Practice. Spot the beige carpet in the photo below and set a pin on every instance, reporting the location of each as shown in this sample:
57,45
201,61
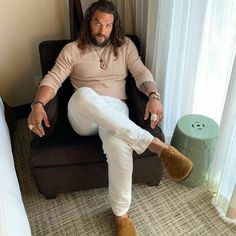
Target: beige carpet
169,209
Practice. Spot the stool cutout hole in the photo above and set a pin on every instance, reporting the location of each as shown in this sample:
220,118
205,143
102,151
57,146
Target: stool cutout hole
199,126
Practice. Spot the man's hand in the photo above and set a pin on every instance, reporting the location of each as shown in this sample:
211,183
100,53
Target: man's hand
35,119
153,107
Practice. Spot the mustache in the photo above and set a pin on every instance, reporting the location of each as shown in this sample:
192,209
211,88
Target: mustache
99,34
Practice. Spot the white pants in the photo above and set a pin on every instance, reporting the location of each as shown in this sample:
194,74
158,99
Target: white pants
90,113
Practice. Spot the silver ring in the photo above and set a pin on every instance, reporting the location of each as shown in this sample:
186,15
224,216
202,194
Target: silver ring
31,127
40,126
154,117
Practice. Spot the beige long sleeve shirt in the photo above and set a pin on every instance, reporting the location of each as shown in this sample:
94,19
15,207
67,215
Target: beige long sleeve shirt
84,69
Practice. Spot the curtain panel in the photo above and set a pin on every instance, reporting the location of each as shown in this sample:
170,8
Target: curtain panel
191,51
222,177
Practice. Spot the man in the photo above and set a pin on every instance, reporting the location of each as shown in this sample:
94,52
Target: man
97,64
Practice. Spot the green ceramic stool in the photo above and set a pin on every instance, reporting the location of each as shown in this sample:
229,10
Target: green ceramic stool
195,136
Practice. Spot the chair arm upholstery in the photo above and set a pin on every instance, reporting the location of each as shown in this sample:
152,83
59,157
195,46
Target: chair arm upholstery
49,51
51,109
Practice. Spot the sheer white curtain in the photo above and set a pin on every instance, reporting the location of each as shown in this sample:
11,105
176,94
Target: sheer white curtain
222,176
177,47
192,60
216,59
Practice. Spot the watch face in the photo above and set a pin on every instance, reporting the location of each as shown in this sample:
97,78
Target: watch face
155,96
155,93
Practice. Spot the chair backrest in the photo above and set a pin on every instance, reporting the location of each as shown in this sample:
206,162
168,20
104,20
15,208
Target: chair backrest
48,52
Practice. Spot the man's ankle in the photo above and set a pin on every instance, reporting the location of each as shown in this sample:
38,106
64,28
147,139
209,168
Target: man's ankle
123,216
157,146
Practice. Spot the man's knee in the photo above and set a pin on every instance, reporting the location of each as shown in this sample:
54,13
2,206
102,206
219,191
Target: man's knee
83,91
83,94
80,97
116,147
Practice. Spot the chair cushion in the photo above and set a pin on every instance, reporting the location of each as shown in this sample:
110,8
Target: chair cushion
65,147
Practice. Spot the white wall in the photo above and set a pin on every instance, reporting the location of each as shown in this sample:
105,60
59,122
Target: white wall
23,25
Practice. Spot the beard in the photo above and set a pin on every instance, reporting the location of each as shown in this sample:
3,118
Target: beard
96,43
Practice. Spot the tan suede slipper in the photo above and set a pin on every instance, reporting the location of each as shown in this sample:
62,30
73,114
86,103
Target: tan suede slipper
178,166
125,227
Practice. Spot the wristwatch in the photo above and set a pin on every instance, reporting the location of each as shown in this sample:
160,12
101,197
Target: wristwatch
36,102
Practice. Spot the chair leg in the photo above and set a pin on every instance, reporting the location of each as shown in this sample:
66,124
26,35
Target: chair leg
153,183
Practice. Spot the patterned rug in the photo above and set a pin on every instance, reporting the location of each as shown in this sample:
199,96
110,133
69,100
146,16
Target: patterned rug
169,209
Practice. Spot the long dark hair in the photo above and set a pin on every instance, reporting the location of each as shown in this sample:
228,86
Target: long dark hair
117,35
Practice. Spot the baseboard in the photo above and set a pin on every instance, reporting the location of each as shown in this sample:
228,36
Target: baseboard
22,111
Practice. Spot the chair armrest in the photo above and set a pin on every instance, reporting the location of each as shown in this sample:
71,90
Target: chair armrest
137,102
51,109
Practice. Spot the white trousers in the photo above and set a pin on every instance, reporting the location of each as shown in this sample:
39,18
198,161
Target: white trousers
90,113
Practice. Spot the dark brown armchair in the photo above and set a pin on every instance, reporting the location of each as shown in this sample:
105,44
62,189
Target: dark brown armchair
63,161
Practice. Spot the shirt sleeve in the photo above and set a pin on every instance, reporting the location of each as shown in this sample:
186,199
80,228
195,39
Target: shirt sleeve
136,67
61,70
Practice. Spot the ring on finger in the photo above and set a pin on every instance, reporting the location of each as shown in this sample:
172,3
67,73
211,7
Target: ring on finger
31,127
39,125
154,117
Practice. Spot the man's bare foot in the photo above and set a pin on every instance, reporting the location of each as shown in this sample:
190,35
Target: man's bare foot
157,146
